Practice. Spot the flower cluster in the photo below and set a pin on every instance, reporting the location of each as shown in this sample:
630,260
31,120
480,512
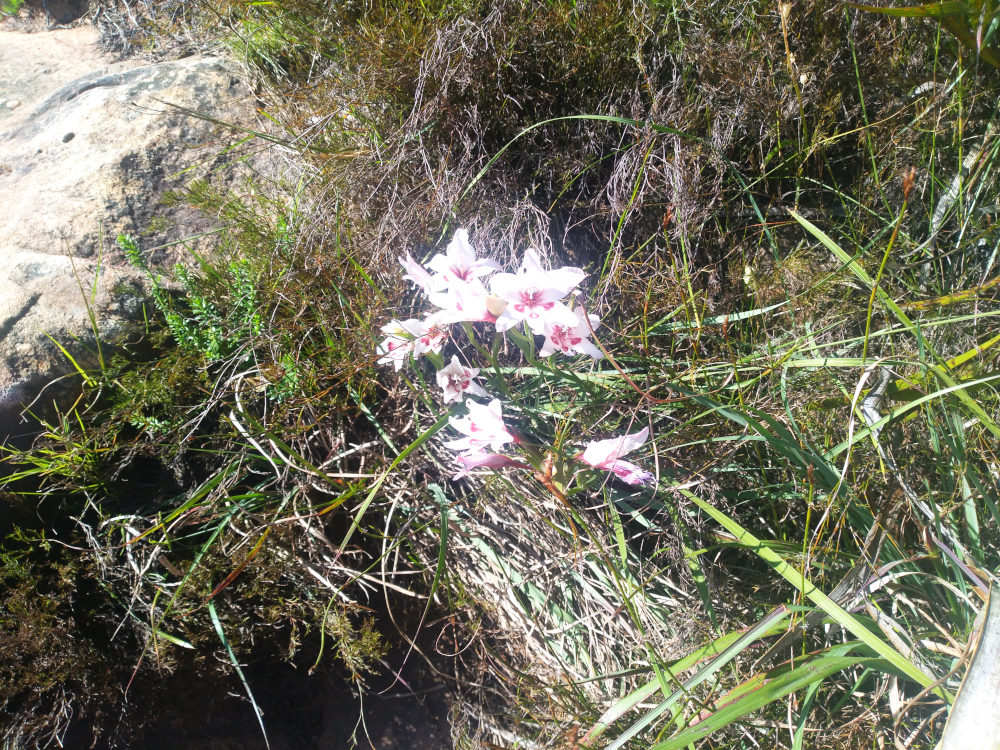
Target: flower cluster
456,283
467,289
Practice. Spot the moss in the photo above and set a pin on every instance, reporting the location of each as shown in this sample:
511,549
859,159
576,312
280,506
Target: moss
57,662
358,644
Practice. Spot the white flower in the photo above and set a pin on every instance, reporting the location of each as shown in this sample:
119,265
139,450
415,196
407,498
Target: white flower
431,337
420,276
570,339
407,337
398,344
459,263
456,380
605,454
483,428
533,294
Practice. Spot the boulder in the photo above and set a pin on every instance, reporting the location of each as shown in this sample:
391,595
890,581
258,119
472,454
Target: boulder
85,156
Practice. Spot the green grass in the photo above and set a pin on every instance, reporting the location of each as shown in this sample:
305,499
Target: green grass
11,7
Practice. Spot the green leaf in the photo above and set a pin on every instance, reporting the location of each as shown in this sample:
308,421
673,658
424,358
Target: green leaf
761,690
173,639
360,512
236,665
724,650
927,10
837,613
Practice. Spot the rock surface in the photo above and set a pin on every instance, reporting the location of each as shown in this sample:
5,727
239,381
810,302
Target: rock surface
88,147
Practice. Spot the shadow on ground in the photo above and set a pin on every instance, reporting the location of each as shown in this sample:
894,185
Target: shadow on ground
300,712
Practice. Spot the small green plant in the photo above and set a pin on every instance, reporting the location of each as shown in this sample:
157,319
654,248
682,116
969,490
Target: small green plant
356,641
10,7
203,328
290,382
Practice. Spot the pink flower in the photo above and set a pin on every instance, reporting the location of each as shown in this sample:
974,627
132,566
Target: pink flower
570,339
456,380
483,427
606,455
407,337
533,294
466,302
459,262
471,461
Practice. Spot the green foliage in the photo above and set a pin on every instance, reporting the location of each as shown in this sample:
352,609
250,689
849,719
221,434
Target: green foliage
154,398
50,668
283,40
358,643
66,455
290,383
973,24
197,323
10,7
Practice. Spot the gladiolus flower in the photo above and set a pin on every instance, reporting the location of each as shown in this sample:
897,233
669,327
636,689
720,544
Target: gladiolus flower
407,337
483,428
569,339
459,263
533,295
398,344
456,380
606,455
431,339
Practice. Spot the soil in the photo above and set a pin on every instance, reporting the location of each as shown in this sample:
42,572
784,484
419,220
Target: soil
201,705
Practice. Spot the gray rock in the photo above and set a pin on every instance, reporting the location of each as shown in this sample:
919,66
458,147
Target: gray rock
84,158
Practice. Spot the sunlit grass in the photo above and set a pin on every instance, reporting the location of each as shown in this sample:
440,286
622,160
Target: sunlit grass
810,338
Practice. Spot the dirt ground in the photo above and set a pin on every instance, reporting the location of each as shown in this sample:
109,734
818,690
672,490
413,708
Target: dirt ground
300,713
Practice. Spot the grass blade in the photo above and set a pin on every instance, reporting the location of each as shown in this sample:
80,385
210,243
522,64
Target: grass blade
360,512
883,296
762,690
820,599
236,665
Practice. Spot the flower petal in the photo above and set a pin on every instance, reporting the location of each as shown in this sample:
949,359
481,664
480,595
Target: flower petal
490,460
630,473
601,453
462,302
420,276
